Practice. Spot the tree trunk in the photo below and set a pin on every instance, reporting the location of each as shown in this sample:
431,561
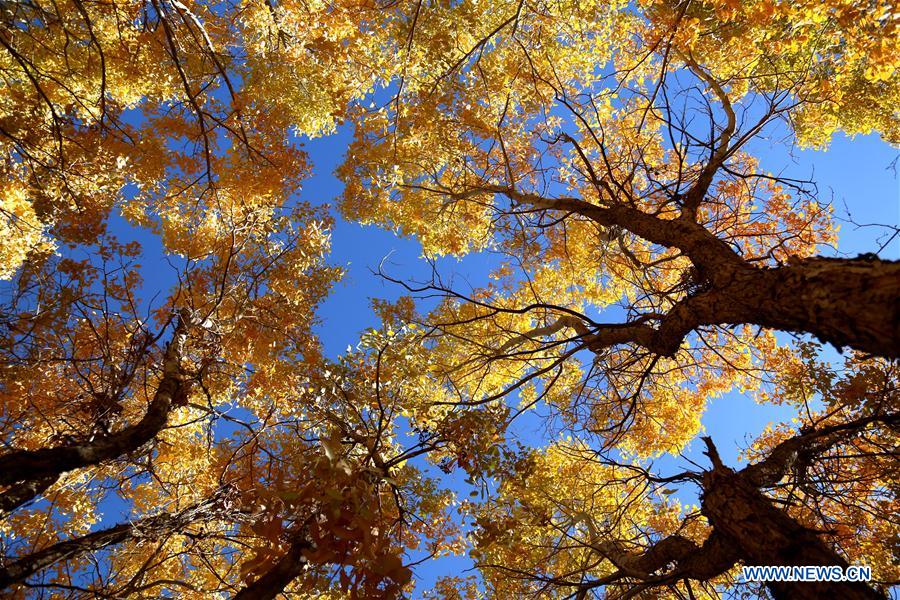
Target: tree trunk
20,493
764,535
33,465
847,302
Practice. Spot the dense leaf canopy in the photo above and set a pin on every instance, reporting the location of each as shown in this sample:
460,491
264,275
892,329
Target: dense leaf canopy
604,153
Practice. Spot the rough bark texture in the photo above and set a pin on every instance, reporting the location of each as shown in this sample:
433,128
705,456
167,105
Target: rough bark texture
700,563
765,535
761,534
848,302
851,303
747,528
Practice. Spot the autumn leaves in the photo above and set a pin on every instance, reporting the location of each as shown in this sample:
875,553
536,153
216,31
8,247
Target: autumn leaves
601,150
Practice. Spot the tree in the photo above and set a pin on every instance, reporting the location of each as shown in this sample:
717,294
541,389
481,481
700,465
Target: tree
619,172
604,148
604,152
306,465
148,528
515,147
571,521
173,115
29,472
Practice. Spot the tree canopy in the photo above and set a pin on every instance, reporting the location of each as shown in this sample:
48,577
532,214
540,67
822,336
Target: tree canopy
645,260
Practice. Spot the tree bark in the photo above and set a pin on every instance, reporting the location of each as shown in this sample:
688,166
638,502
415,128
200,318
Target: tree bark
20,493
35,466
151,528
747,528
847,302
761,534
851,303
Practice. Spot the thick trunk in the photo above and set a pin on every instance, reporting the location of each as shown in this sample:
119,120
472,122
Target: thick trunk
764,535
32,465
848,302
851,303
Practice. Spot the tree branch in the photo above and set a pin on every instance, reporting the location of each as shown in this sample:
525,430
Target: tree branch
36,465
